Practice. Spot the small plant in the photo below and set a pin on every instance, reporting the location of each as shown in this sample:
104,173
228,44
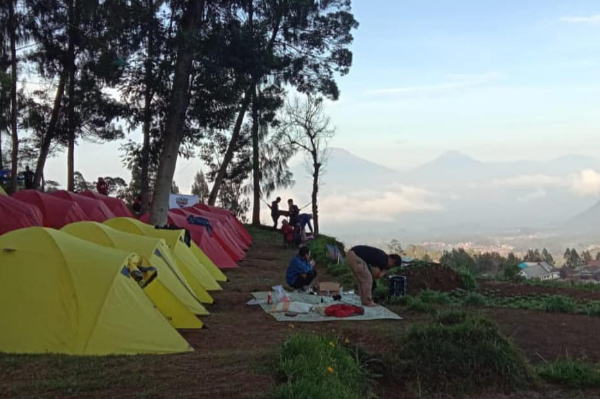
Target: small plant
560,304
320,367
592,308
475,299
451,317
458,353
572,373
417,305
434,297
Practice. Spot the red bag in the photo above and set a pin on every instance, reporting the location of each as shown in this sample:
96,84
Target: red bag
344,310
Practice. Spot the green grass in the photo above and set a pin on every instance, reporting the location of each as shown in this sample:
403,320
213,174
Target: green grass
318,249
319,367
460,353
560,304
435,297
571,373
475,299
71,375
264,234
578,285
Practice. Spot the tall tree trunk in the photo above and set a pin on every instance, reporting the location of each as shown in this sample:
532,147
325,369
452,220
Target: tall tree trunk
255,162
214,192
49,135
315,193
190,26
13,94
71,104
145,179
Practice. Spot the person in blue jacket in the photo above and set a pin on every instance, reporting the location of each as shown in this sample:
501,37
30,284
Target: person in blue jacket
300,273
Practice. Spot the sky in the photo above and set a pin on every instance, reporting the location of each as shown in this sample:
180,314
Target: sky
496,79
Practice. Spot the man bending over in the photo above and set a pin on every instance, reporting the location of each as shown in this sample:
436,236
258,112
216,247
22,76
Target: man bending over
369,264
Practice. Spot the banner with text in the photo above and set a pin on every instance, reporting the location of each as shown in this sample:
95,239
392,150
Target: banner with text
182,201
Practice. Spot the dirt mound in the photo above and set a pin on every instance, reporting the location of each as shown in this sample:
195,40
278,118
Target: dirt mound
434,277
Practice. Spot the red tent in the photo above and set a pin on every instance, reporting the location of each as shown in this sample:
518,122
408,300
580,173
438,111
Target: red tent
231,219
57,212
95,210
222,220
200,236
228,223
218,231
15,214
117,206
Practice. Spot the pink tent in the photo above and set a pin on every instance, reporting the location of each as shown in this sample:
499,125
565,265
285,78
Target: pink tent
203,240
56,212
218,231
117,206
95,210
15,214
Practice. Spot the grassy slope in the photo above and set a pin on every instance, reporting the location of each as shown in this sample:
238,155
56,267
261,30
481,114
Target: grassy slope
233,356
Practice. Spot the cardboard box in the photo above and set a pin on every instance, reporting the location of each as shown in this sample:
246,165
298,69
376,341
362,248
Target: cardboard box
330,289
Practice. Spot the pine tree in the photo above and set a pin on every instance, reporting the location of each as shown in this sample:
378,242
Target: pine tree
547,257
200,187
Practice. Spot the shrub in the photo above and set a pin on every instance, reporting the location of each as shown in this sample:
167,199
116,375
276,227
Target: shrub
592,308
467,280
417,305
458,354
572,373
451,317
475,299
560,304
318,367
434,297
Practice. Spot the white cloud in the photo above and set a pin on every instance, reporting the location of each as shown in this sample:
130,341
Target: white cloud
535,181
592,20
373,205
454,82
587,182
532,196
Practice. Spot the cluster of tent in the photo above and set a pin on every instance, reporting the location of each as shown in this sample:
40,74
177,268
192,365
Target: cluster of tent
80,275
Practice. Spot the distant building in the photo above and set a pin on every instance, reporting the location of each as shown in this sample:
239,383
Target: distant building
539,271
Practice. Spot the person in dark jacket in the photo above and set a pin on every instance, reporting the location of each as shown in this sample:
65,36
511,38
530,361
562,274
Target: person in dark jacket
275,212
369,264
28,176
301,272
293,212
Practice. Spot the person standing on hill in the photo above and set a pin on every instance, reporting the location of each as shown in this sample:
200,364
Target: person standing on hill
102,186
369,264
293,212
275,211
28,176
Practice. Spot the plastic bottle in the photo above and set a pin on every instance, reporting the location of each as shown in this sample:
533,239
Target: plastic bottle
269,298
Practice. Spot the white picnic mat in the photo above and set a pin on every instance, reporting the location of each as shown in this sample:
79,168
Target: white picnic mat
375,313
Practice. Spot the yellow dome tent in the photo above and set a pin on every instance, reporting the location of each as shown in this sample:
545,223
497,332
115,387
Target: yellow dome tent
195,272
135,226
60,294
170,291
2,192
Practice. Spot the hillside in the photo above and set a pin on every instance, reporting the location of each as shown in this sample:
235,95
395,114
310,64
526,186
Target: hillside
234,355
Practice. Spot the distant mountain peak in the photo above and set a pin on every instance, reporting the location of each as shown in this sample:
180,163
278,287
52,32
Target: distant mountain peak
451,159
